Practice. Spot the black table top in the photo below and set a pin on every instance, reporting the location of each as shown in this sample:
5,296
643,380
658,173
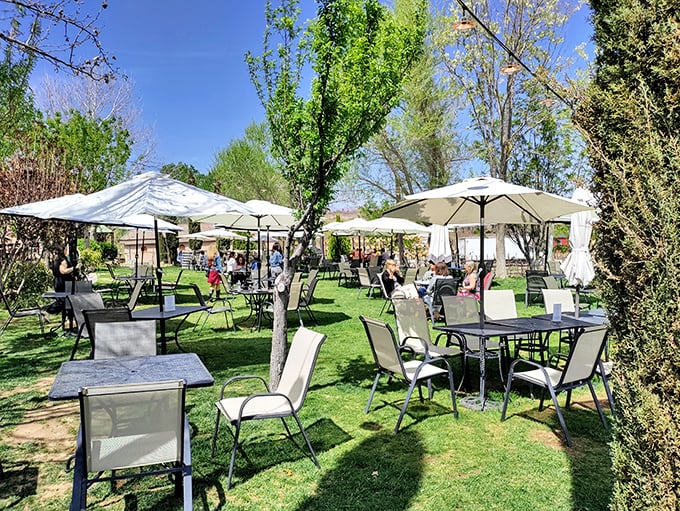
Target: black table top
75,374
156,313
489,330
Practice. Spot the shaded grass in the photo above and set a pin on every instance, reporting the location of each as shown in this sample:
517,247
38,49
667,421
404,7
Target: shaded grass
435,462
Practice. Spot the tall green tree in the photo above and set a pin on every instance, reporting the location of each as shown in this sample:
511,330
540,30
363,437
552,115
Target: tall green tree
244,170
631,115
501,106
359,52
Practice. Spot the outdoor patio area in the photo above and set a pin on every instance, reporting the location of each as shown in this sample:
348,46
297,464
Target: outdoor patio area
434,462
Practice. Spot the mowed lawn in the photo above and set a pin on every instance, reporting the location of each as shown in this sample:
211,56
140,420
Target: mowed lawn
434,463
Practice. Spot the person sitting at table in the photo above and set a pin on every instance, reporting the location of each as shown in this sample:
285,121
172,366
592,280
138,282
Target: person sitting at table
214,276
441,271
427,277
470,284
391,276
240,273
231,262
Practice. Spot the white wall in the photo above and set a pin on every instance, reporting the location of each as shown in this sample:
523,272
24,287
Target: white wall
469,249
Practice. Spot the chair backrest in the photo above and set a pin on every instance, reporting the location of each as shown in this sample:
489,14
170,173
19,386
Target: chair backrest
383,346
441,287
111,272
584,355
551,282
179,276
299,366
534,279
488,280
312,274
309,294
134,295
225,283
364,278
412,324
500,304
132,425
294,296
297,276
81,286
199,295
81,302
344,268
94,316
460,309
374,273
125,339
11,307
561,296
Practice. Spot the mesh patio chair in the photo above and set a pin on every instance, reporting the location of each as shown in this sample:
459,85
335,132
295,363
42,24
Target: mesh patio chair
307,298
345,273
214,309
413,330
125,339
578,369
132,426
565,299
365,283
94,316
171,287
388,358
284,401
534,284
442,287
16,310
463,309
79,303
500,304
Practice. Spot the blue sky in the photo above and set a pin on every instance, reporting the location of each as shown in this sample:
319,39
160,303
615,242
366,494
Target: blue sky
186,60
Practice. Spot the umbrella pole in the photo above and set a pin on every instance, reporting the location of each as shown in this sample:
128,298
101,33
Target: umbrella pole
136,250
482,272
159,278
259,255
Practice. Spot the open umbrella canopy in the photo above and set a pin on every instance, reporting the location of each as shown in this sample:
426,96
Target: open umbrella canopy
215,233
484,200
349,228
497,201
261,214
387,225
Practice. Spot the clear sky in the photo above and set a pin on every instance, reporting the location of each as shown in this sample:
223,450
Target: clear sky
186,60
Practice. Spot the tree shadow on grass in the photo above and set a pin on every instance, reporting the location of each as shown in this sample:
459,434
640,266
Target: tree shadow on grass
382,472
260,453
20,480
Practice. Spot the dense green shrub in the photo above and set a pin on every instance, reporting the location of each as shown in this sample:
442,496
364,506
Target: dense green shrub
337,246
91,259
36,277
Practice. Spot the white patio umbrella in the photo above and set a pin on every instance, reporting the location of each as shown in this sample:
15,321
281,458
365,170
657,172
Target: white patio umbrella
150,193
215,233
578,266
484,200
440,245
261,215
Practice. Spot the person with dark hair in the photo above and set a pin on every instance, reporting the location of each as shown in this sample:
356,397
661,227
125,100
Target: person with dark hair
63,271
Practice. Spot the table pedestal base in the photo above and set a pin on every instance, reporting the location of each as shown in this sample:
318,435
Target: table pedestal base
475,402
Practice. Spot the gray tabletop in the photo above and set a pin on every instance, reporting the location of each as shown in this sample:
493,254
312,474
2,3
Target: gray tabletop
75,374
156,313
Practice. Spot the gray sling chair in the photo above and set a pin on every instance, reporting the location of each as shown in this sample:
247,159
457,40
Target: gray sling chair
576,370
80,302
125,339
94,316
153,432
388,359
284,401
214,309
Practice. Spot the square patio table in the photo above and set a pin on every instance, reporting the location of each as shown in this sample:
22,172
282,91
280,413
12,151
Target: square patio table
76,374
484,333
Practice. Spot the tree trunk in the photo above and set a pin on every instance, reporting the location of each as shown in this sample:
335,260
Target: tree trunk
500,269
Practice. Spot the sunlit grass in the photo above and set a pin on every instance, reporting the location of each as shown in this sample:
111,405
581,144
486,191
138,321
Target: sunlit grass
435,462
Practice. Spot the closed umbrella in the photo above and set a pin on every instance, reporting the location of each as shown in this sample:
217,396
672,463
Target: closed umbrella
484,200
578,266
440,245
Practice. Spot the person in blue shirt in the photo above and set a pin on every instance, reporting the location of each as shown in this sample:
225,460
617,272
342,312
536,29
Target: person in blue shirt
276,261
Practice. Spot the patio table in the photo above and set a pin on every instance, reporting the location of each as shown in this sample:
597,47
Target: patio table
484,333
75,374
256,299
180,311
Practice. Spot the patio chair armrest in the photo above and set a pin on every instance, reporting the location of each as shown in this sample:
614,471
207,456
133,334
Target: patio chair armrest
243,377
527,362
460,339
254,397
422,341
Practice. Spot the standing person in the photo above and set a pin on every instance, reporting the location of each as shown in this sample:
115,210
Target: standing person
391,276
63,271
214,278
231,263
276,261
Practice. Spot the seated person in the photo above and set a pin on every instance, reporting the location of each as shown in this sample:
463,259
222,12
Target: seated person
441,271
470,284
427,276
391,276
240,273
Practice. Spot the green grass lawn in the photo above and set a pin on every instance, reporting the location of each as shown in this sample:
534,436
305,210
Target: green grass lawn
434,463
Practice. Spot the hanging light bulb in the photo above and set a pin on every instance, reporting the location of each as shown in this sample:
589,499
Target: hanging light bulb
511,68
